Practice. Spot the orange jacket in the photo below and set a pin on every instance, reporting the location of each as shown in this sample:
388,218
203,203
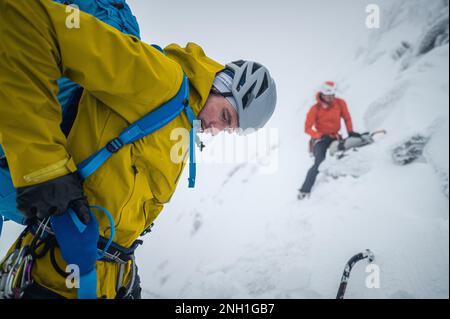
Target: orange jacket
323,120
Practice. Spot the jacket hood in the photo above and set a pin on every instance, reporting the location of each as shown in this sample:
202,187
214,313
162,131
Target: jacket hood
200,70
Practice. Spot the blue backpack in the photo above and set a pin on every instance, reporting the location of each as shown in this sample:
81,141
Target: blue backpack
79,242
117,14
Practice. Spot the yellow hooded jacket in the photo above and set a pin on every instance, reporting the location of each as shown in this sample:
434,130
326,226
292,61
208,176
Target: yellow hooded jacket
124,79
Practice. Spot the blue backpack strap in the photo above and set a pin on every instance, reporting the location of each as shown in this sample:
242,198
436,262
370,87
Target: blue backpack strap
192,139
141,128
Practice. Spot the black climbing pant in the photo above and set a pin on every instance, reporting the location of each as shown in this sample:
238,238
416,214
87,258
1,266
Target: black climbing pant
320,153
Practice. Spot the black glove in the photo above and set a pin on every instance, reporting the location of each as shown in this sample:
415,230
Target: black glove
354,134
54,197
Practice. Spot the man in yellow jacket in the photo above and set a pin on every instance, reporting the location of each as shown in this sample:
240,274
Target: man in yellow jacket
123,80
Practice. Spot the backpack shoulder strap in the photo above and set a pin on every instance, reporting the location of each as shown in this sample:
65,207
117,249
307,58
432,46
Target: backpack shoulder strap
146,126
150,123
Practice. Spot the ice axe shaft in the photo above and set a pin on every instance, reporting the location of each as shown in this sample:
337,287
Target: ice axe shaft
348,268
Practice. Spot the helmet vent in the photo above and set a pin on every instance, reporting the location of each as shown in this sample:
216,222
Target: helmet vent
243,79
239,63
248,97
256,67
264,86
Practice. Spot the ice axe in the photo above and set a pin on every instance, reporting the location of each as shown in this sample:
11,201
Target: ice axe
367,254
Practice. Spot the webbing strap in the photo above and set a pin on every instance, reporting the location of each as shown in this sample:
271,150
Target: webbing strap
88,286
141,128
192,138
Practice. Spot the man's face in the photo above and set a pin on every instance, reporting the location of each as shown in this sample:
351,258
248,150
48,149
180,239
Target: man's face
217,115
329,99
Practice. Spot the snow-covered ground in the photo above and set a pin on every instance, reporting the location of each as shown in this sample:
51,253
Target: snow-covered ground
246,236
242,233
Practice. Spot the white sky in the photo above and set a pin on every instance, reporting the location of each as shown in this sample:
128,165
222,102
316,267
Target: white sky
302,42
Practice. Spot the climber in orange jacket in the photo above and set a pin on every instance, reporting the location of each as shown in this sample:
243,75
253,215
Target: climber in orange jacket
323,124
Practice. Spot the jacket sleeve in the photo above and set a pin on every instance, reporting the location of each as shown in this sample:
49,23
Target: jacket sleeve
310,122
346,116
39,45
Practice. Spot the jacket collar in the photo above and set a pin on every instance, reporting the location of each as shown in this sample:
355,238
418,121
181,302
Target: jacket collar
200,70
322,104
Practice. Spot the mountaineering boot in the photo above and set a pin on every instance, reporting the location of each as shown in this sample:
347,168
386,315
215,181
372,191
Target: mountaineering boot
303,195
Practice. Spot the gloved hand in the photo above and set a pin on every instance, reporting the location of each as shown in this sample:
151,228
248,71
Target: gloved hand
54,197
354,134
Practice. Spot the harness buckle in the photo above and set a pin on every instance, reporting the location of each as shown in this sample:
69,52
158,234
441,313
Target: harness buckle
115,145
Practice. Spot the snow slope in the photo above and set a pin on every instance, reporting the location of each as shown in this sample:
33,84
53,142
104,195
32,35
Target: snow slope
241,233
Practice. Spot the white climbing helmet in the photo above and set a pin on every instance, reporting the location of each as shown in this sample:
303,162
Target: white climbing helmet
328,88
254,92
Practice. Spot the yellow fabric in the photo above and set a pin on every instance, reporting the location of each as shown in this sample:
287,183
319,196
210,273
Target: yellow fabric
124,79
